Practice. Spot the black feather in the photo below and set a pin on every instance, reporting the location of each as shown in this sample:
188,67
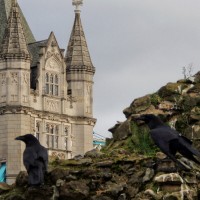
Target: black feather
35,159
169,140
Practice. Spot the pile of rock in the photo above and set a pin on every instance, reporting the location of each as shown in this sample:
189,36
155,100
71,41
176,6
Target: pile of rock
178,104
121,174
118,175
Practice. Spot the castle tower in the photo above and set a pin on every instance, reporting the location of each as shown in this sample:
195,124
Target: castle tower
14,92
80,72
42,91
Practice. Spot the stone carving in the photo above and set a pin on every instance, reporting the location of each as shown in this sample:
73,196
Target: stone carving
25,99
53,44
77,4
38,126
54,54
53,64
3,78
51,117
34,99
49,54
26,77
14,98
13,110
52,105
32,124
55,154
89,98
57,55
14,77
89,89
25,111
89,122
71,99
3,98
2,111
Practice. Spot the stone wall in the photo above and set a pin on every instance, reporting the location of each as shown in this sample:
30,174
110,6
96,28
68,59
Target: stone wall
13,126
117,175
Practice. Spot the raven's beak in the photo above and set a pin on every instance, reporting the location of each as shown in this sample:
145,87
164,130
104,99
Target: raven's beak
19,138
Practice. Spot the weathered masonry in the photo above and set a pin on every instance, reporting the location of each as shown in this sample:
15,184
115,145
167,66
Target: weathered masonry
43,90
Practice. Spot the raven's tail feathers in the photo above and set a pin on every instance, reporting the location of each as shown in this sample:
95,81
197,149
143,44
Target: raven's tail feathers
189,152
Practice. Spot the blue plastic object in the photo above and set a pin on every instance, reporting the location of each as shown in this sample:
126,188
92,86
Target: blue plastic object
3,173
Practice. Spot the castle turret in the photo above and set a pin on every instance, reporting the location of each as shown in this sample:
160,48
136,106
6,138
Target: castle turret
14,62
5,6
14,92
80,73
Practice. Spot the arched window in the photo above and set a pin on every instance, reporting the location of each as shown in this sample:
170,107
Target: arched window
37,127
56,79
37,130
66,132
47,136
56,136
52,84
51,141
47,77
47,83
56,85
52,136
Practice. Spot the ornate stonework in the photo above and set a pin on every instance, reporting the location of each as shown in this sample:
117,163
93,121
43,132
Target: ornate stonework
51,105
3,79
14,77
45,93
53,64
26,77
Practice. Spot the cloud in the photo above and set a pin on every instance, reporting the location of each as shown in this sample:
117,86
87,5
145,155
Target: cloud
137,46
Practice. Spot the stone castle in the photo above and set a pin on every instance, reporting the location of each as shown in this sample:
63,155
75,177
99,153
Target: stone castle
43,90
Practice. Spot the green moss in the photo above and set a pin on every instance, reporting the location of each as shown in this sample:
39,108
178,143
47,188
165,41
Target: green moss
141,104
182,123
117,168
187,103
171,88
16,193
155,99
140,141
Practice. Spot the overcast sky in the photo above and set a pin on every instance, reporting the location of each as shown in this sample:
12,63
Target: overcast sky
137,46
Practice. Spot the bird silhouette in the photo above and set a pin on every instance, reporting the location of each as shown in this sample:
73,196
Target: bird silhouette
35,159
169,140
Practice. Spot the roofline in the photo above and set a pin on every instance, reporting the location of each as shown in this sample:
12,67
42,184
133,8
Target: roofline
37,42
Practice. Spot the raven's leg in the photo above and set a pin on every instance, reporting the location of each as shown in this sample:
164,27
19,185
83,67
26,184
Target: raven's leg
165,148
179,164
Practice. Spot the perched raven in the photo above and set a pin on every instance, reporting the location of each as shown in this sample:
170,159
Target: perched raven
169,140
35,159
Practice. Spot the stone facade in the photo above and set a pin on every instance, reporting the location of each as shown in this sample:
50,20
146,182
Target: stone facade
44,92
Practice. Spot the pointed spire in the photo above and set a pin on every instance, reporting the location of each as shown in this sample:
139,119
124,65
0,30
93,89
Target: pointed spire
77,56
5,6
14,42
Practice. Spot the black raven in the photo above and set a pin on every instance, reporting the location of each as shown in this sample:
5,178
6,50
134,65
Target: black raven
35,158
169,140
